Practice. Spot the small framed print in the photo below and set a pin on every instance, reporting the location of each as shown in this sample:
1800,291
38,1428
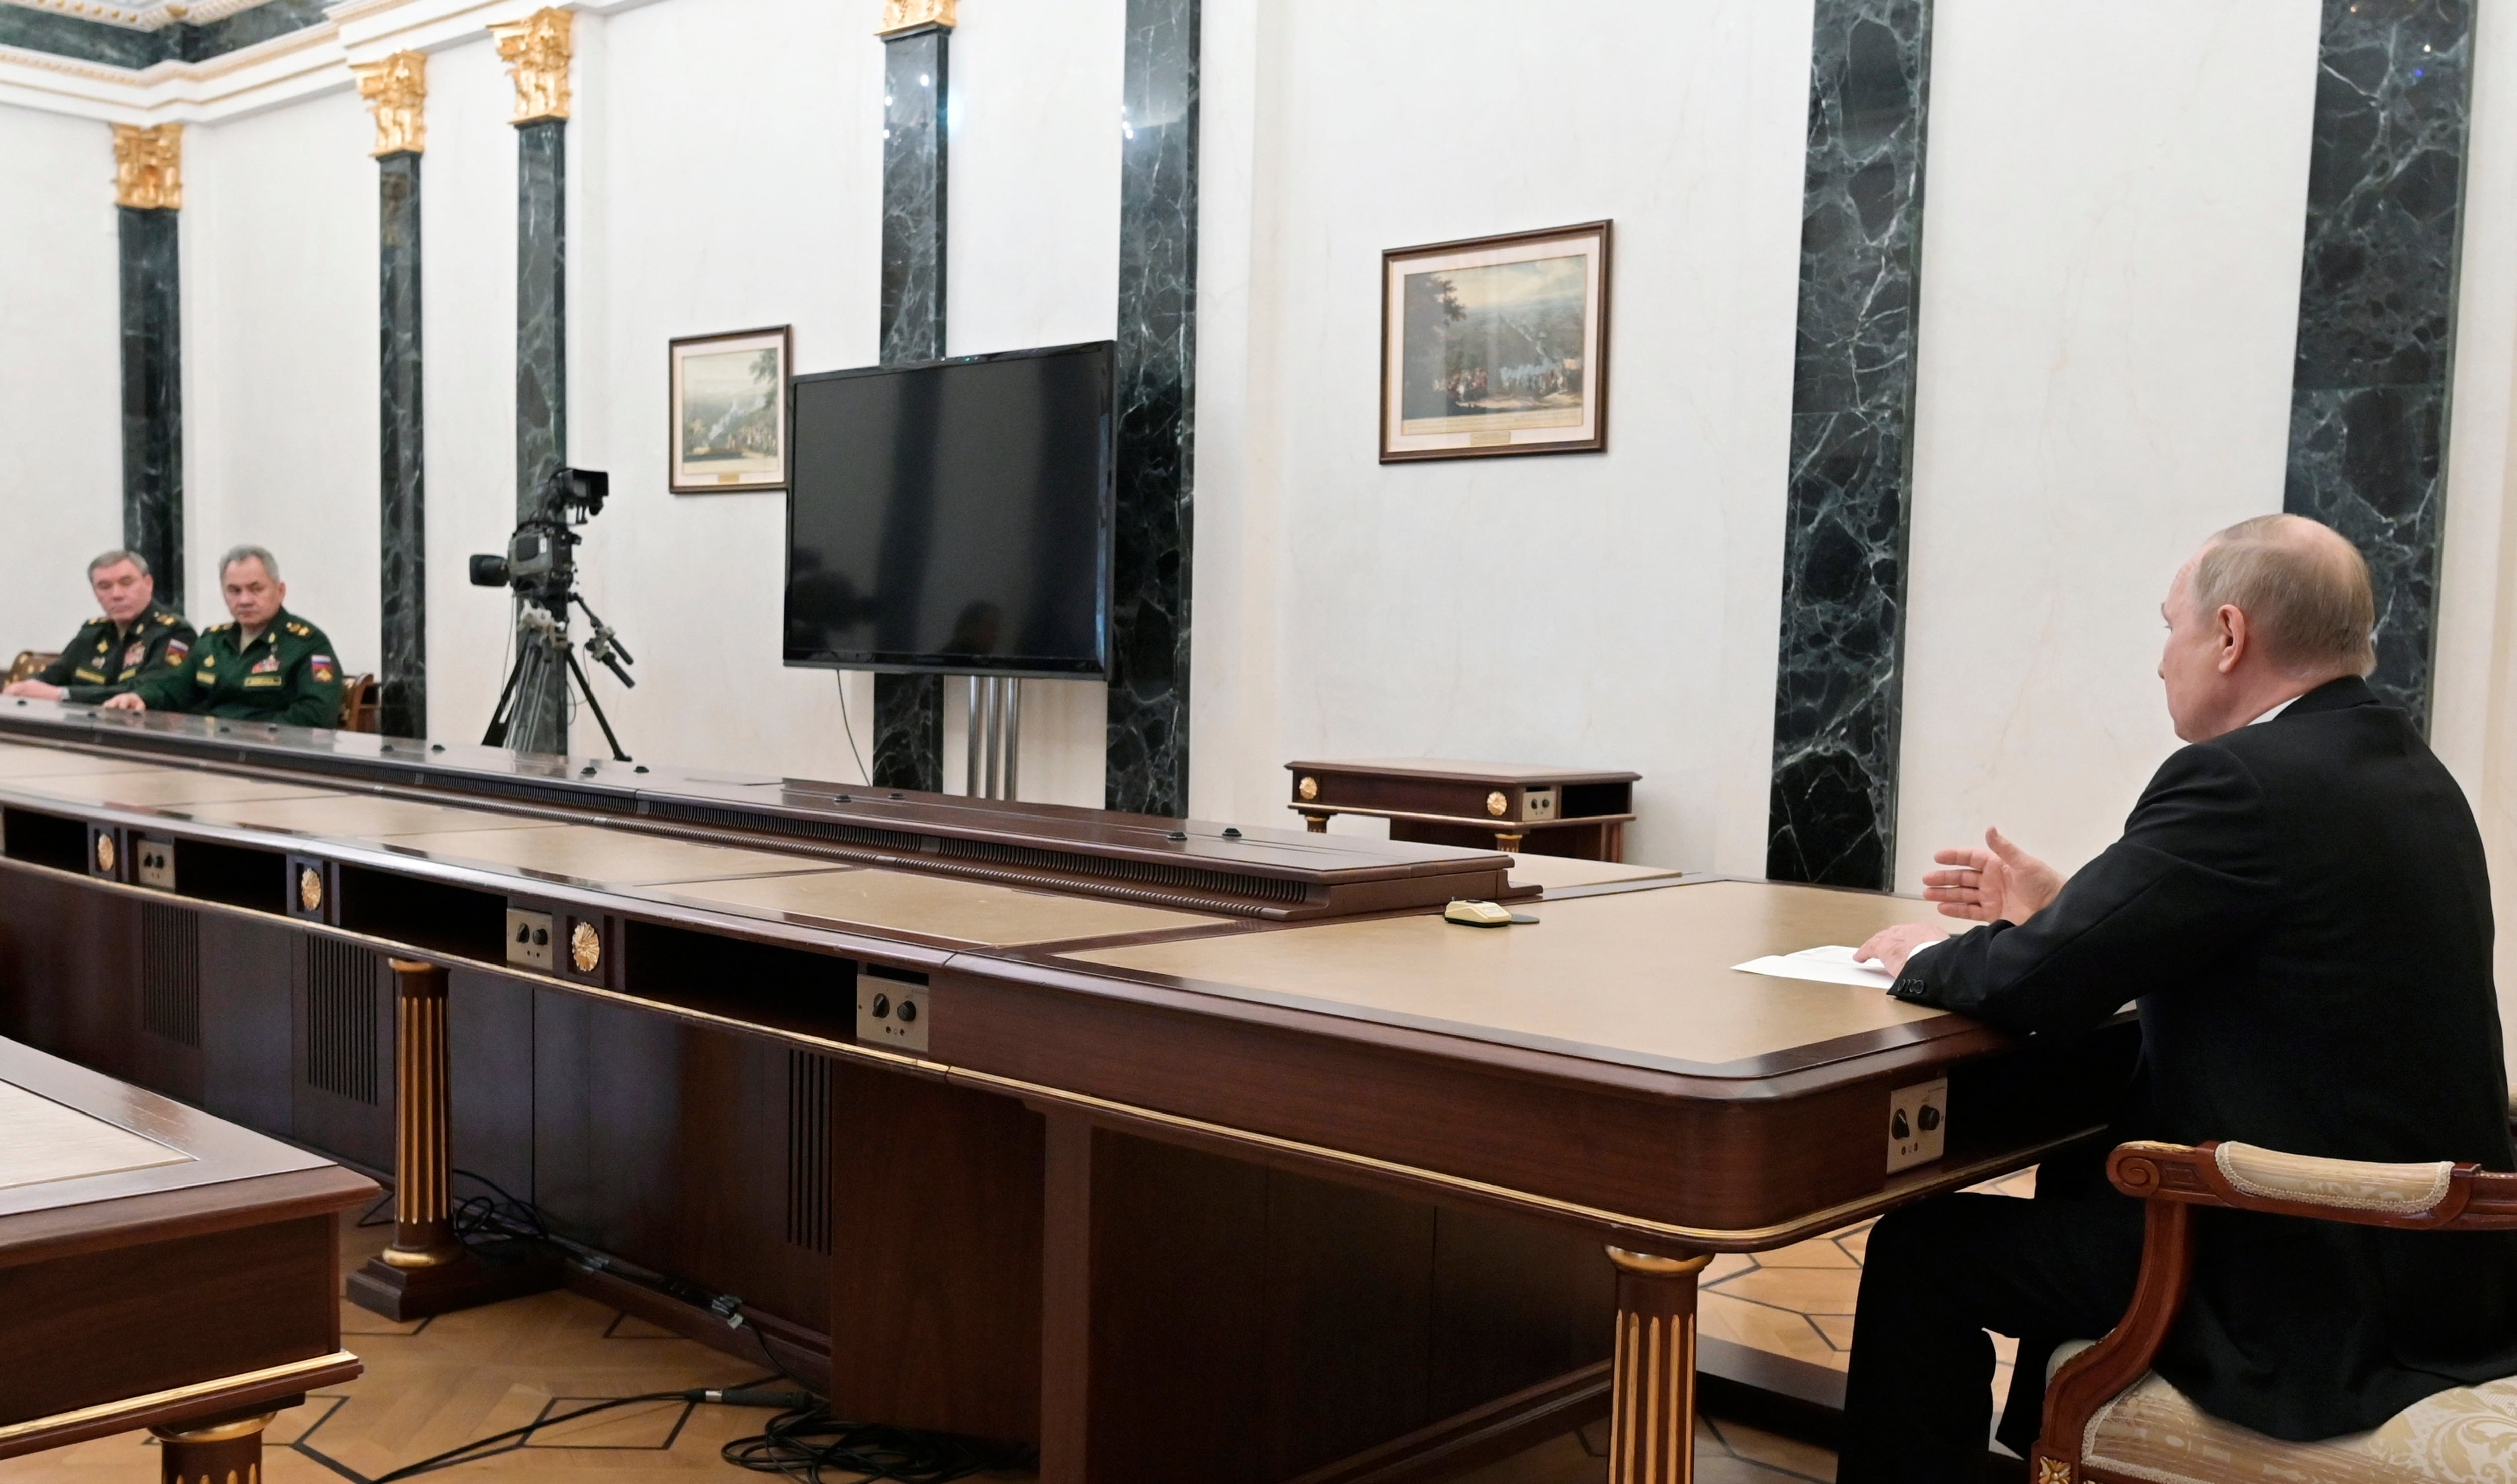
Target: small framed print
729,411
1496,345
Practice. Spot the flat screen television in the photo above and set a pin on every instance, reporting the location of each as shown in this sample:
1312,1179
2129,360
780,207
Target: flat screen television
953,516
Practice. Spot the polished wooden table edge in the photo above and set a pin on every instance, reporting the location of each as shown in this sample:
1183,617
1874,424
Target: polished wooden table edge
114,1222
1639,1232
1177,1129
624,800
1367,768
808,855
1484,821
1766,1076
176,1404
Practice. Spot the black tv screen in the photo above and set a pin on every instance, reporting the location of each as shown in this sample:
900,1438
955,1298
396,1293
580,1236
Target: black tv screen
953,516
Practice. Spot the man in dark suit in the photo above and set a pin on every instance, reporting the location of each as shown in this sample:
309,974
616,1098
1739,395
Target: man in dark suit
2300,907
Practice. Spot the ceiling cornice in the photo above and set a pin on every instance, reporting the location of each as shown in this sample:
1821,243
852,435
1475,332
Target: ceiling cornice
302,63
156,16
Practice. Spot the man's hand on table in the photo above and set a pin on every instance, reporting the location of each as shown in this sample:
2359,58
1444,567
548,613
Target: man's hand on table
1999,884
36,690
1890,947
126,702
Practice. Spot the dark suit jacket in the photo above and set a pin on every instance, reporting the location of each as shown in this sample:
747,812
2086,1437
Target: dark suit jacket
2302,911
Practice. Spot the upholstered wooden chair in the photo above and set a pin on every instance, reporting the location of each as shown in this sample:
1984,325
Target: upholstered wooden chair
28,664
360,707
2110,1419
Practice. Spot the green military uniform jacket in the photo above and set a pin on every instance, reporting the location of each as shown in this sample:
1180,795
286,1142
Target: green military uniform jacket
102,661
288,674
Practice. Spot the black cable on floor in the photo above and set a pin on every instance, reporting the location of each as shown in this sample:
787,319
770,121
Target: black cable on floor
801,1441
517,1437
805,1442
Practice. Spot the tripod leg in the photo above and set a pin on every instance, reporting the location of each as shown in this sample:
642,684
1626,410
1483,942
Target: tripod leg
586,689
496,736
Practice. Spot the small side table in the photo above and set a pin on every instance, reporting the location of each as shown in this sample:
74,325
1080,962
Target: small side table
1576,812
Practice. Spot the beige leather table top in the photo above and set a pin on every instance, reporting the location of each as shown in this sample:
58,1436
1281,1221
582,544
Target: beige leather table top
938,907
598,857
167,788
1555,872
359,817
1640,977
53,762
40,1140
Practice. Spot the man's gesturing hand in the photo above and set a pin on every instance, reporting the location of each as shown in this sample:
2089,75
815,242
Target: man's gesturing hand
2003,882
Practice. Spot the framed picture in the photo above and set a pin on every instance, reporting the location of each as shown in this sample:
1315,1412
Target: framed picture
1496,345
729,411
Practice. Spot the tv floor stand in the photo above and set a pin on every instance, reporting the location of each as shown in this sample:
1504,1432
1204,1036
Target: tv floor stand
992,766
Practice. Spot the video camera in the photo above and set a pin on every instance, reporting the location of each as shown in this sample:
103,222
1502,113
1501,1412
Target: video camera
541,563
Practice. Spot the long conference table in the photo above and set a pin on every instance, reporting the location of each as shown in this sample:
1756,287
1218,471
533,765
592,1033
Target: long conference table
1178,1150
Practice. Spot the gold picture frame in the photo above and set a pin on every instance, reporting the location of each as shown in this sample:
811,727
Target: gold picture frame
726,416
1496,345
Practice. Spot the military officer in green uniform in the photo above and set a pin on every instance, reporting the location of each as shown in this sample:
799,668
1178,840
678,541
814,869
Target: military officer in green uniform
268,665
137,639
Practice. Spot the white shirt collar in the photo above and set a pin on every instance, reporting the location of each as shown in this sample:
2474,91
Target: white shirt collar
2275,711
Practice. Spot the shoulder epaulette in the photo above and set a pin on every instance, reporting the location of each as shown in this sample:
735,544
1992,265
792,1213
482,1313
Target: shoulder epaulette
166,620
221,628
300,630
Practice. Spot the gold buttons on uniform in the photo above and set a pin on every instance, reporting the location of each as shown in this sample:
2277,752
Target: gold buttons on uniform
1496,803
310,889
585,947
1309,789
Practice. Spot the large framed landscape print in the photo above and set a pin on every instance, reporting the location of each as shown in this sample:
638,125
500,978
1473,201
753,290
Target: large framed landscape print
1496,345
729,411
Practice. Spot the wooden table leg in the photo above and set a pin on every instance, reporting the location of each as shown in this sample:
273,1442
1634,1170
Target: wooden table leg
227,1453
1316,823
427,1271
423,1121
1651,1438
1508,842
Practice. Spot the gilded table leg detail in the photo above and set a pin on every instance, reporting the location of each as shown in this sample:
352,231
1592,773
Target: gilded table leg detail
1651,1436
230,1453
423,1165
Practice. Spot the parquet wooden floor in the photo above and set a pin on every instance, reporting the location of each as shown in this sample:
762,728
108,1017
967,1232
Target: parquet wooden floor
434,1384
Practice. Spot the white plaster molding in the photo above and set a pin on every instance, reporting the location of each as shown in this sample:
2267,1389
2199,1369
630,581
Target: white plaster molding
286,68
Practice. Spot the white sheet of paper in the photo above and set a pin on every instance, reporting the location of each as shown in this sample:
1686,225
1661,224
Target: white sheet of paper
1833,965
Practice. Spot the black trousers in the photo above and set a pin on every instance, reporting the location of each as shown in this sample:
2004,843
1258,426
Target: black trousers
1918,1404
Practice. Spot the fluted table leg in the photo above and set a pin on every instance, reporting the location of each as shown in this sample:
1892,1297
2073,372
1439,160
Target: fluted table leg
228,1452
1651,1437
427,1271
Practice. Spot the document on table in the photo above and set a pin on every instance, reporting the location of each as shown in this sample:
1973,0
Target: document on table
1833,965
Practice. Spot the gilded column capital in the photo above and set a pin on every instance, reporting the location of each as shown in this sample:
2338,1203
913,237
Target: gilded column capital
536,50
396,92
902,15
149,166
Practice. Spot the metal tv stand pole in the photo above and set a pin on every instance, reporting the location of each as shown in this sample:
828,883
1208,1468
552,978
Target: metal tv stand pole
991,763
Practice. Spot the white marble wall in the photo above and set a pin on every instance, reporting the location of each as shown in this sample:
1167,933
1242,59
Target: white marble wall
280,362
1604,610
2110,303
61,389
2474,720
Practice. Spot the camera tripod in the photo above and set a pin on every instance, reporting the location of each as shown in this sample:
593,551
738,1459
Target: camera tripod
532,715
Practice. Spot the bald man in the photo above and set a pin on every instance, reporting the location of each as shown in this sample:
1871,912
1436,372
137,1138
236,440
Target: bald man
2300,907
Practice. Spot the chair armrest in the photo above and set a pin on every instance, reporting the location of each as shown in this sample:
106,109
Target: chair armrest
2171,1180
2434,1197
2106,1369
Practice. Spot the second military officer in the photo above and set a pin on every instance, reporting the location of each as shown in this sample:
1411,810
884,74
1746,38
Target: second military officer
268,665
136,639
